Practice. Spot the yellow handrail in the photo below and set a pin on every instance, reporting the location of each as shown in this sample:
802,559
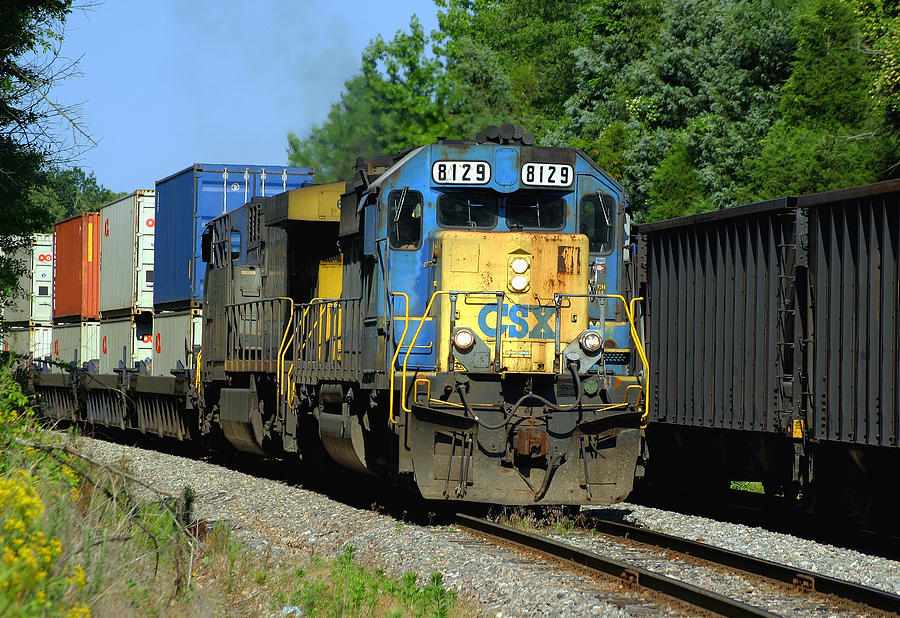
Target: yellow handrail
197,367
282,349
639,346
292,385
281,354
397,353
303,320
409,348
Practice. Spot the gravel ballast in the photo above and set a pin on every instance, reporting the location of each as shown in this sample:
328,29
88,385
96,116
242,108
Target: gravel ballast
283,520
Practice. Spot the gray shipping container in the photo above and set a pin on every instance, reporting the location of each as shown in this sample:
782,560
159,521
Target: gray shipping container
36,307
76,343
125,341
34,341
779,317
126,254
177,336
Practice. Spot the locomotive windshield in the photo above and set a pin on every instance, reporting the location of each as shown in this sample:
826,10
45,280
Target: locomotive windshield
472,209
535,210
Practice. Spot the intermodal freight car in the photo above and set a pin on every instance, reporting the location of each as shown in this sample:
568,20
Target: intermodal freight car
772,331
457,318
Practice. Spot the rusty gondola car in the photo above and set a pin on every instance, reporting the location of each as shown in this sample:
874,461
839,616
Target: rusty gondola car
772,333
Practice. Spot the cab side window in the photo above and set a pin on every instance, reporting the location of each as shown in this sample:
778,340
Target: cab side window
405,219
598,217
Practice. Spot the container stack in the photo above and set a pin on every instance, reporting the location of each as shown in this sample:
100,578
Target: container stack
185,203
30,318
126,282
76,289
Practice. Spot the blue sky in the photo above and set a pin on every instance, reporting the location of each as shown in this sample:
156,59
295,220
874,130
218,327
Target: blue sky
168,83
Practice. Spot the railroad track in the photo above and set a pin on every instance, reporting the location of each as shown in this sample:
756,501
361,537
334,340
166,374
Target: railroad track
865,598
779,515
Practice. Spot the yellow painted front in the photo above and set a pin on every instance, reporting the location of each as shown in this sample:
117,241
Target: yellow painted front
482,261
316,203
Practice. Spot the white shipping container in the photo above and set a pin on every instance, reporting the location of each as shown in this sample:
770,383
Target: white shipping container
126,254
176,337
34,341
36,307
76,343
127,340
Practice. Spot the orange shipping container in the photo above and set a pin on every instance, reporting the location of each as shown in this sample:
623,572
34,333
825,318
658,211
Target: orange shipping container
76,268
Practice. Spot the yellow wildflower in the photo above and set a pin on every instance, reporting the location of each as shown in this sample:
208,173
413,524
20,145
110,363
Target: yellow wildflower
79,610
76,578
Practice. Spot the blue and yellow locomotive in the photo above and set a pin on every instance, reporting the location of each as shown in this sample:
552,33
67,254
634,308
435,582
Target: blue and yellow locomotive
457,316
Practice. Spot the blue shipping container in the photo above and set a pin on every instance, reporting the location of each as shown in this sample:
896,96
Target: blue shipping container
186,202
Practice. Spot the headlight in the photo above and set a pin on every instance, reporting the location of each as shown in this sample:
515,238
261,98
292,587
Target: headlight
519,265
464,340
590,342
518,283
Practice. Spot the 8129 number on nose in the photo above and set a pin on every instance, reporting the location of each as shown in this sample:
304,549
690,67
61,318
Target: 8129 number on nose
461,172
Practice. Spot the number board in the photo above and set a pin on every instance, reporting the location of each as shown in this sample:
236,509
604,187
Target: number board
461,172
547,174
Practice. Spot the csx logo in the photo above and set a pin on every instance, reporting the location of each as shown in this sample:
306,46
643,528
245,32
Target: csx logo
45,257
519,321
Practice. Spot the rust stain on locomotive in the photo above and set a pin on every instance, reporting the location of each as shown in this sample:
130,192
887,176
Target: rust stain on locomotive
568,260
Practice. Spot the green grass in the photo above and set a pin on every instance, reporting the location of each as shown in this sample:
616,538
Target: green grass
345,588
537,519
752,486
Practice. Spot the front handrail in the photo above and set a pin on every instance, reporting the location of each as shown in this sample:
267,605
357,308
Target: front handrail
397,352
499,294
638,344
629,312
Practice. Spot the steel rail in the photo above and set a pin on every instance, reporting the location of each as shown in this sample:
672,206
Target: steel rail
628,573
800,578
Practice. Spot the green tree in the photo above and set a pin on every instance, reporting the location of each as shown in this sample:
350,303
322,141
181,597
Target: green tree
831,133
675,188
519,51
67,192
879,27
394,103
696,74
28,29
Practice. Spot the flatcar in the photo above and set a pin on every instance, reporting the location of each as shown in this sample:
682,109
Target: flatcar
772,333
457,318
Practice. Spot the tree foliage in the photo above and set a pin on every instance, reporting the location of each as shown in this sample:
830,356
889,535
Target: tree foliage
67,192
831,132
690,104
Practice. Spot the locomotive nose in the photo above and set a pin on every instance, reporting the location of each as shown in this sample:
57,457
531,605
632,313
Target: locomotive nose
525,269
